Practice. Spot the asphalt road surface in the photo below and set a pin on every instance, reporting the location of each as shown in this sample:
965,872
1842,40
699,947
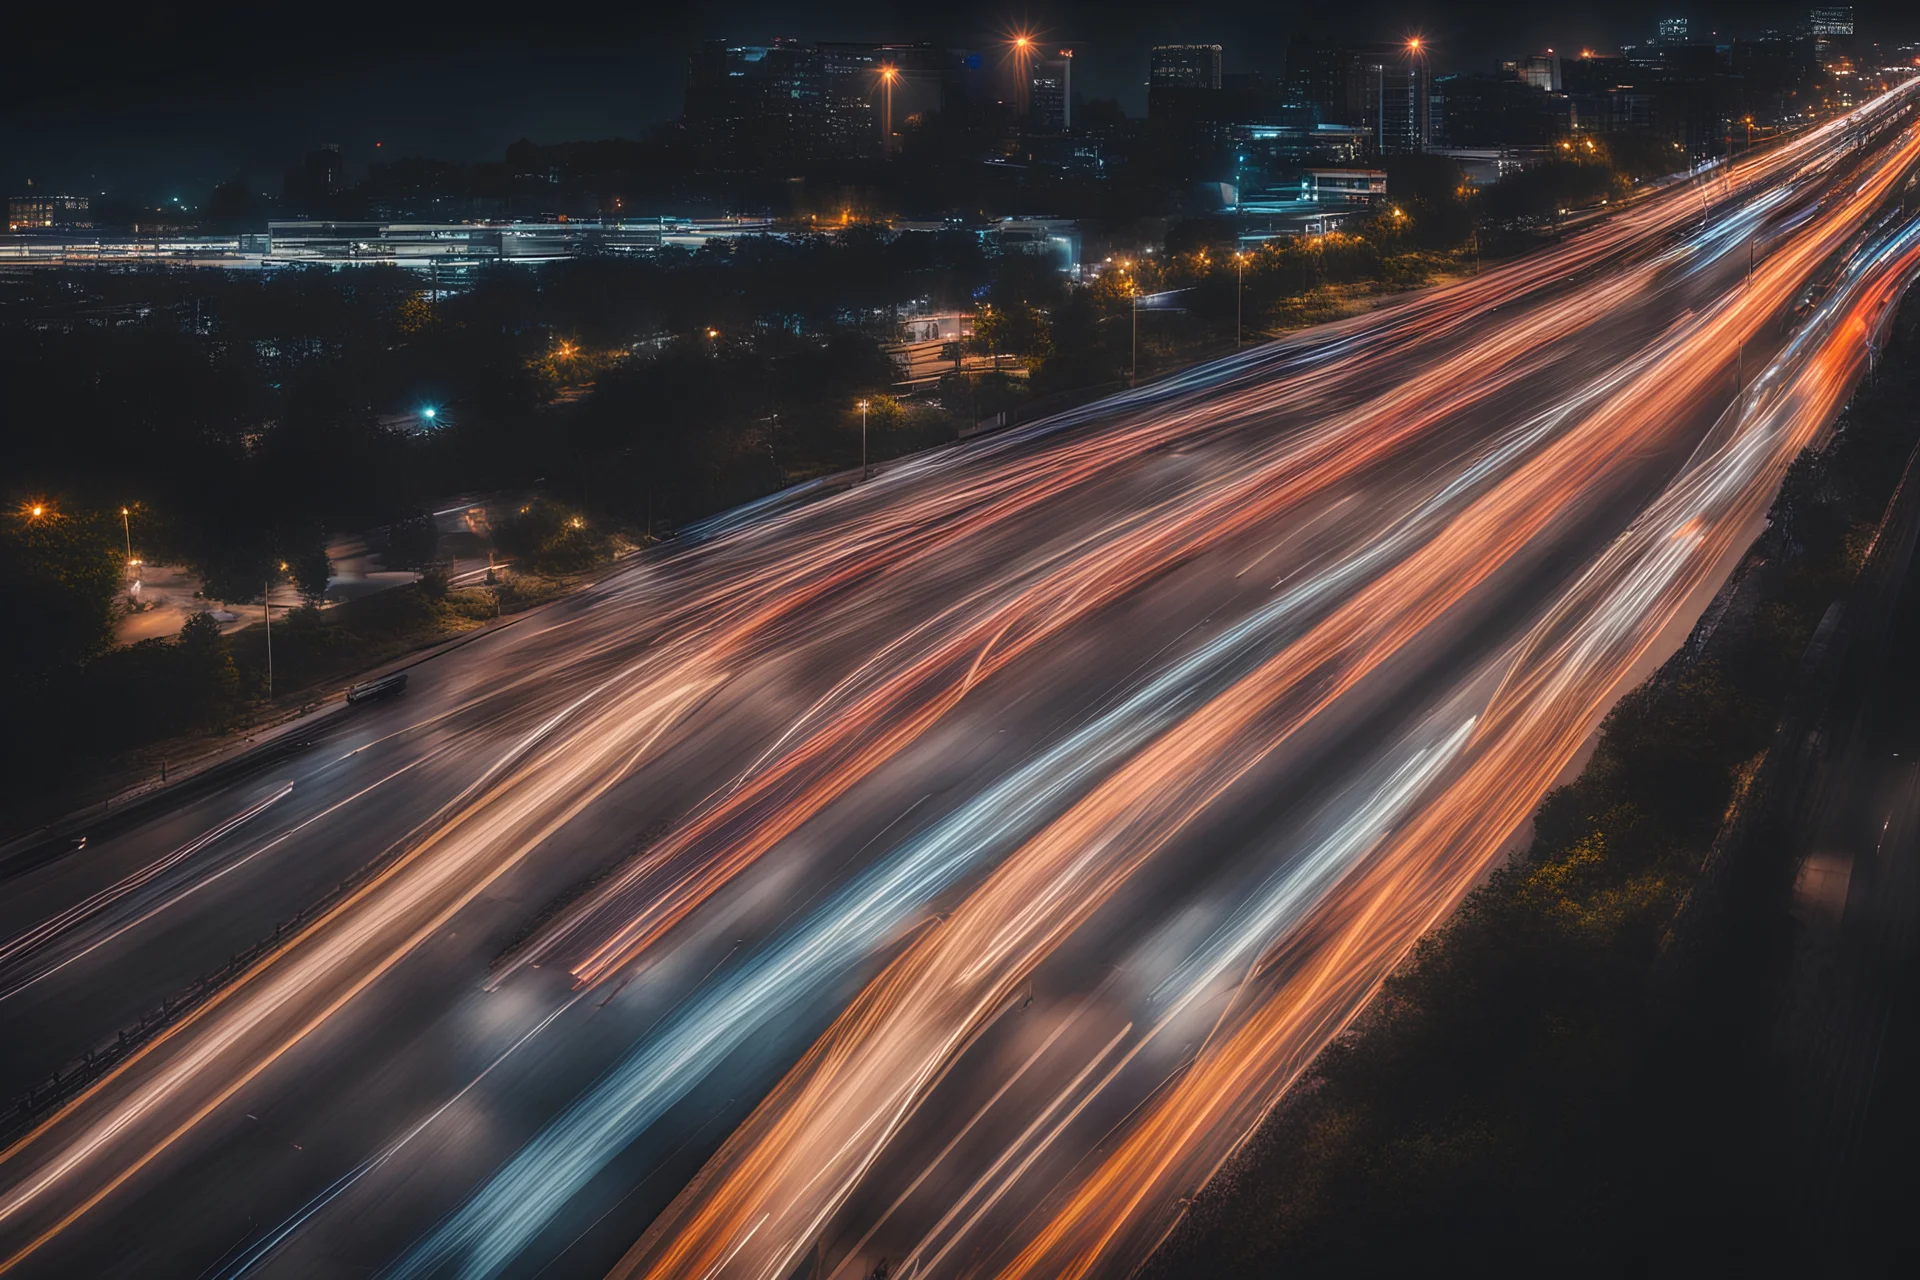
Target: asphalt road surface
948,872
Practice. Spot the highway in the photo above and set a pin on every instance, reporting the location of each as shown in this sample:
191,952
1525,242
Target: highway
950,871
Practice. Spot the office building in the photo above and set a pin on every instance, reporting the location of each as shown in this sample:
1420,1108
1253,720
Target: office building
927,78
310,185
49,213
1318,75
1050,94
1496,110
1828,21
1397,91
766,106
1673,31
1343,186
1542,71
1183,66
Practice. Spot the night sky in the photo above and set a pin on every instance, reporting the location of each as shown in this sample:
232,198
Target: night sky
163,100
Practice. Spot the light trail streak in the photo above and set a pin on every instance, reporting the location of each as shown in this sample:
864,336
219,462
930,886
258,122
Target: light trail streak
887,1045
1292,430
1558,687
45,931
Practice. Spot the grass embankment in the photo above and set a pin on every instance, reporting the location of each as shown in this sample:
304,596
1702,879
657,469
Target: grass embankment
1538,1089
178,700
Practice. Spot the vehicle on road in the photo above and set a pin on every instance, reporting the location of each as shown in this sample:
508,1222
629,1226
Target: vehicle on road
372,690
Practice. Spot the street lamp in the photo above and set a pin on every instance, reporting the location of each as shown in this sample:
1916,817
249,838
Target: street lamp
1239,290
1022,60
1133,293
1133,361
863,441
888,74
126,531
266,613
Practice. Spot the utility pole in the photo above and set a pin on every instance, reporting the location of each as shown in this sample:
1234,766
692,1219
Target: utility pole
266,612
863,441
1133,361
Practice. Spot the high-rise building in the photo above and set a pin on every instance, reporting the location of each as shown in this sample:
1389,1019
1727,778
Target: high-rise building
1184,66
319,177
1318,76
1050,93
1831,20
1673,31
1495,110
924,78
1397,89
786,103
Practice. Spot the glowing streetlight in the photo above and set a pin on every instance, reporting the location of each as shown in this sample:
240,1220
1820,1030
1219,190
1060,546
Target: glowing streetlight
1022,44
888,74
1133,359
429,413
1239,291
35,511
126,530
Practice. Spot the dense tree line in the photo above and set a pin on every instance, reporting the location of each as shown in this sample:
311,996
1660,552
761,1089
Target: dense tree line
241,417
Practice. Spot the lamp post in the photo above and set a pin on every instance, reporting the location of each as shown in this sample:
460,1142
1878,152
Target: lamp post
1022,60
1133,361
126,531
1239,291
888,74
863,441
266,612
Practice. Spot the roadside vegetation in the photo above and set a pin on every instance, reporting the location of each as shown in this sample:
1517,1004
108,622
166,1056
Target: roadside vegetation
1570,1077
228,422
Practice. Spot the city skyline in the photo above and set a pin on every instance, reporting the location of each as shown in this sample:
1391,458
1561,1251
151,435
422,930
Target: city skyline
1097,643
167,109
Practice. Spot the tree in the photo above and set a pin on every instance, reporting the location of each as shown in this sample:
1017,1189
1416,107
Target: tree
60,574
1016,329
211,679
310,568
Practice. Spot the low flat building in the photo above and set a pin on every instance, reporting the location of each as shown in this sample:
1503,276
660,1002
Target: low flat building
1343,186
1055,239
46,213
445,250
